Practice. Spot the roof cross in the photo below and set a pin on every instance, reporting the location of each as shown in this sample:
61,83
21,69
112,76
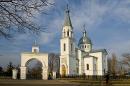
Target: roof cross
84,30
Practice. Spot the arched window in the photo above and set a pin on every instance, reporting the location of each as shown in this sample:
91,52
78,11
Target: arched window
67,33
85,46
64,47
104,71
87,66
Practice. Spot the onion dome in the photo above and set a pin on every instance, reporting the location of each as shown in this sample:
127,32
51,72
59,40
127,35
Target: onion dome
84,39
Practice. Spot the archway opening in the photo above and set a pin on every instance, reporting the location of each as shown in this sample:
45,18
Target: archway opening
63,70
34,69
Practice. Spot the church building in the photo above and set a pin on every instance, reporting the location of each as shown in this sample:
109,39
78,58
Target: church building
82,58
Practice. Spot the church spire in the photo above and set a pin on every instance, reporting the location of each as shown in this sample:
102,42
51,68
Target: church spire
67,21
84,31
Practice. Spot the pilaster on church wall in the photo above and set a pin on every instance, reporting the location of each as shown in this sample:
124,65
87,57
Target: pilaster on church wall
105,66
99,62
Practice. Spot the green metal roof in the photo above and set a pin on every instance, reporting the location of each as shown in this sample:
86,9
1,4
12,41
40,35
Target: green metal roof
84,39
67,21
99,50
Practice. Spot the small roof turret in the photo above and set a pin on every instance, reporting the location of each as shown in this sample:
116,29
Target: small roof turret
35,47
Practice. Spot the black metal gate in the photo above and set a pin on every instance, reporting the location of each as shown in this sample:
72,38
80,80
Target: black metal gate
36,76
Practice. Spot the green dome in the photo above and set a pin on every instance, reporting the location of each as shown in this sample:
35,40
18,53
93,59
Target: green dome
84,39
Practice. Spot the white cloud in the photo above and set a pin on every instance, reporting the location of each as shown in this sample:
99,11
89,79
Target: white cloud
54,28
94,14
90,15
46,38
123,13
119,47
116,44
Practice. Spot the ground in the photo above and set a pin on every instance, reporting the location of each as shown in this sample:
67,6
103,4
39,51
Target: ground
37,83
9,82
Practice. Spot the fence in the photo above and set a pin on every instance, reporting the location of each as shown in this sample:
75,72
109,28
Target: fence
31,76
86,77
5,75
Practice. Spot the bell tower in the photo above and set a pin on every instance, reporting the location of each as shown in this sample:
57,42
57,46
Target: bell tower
67,31
67,47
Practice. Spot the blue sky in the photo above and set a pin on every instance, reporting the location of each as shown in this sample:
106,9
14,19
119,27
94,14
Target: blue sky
107,24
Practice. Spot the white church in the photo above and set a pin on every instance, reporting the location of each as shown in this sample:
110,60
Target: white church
82,58
74,59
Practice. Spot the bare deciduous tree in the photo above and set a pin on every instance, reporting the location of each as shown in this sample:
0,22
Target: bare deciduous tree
16,16
126,59
112,64
126,62
119,66
109,64
54,62
38,67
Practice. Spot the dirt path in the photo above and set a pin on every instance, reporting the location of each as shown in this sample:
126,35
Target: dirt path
37,83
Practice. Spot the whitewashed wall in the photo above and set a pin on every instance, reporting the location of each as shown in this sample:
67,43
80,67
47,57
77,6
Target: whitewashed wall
88,60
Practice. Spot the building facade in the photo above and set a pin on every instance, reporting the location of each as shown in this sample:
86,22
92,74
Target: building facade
79,59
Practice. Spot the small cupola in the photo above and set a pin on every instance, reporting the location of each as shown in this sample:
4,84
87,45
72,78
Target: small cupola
85,43
35,48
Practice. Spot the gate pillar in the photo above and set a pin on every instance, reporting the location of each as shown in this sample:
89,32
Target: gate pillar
44,73
22,72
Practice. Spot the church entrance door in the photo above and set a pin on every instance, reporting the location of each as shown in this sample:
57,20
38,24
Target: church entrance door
63,70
